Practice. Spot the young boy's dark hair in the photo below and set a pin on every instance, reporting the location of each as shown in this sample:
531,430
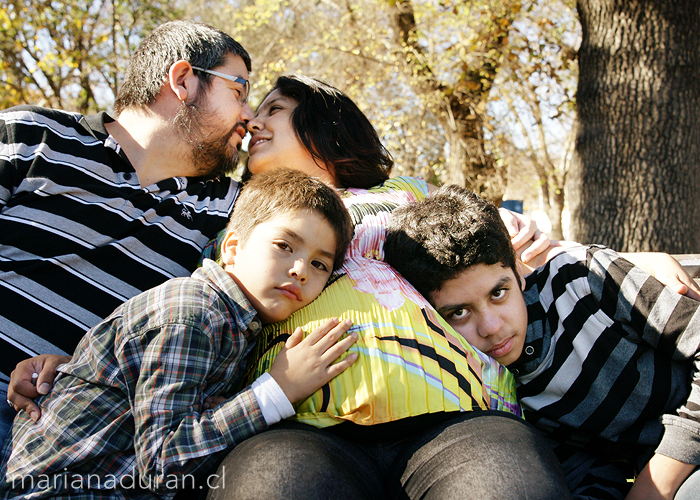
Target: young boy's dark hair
432,241
270,194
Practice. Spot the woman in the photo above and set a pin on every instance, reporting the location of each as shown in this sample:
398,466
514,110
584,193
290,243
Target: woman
421,413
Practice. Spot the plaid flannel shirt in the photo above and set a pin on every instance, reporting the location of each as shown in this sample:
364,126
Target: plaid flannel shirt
125,418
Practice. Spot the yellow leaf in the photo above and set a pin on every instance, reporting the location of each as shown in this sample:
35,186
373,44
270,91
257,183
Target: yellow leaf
473,86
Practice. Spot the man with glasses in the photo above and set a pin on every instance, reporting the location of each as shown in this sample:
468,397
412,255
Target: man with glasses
94,210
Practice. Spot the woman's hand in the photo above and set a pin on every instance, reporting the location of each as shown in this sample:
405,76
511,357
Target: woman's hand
527,240
304,365
32,378
667,270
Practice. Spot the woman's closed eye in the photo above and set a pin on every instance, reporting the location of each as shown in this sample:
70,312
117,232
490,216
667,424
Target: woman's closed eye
268,111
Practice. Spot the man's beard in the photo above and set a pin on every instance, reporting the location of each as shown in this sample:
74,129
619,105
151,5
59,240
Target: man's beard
211,156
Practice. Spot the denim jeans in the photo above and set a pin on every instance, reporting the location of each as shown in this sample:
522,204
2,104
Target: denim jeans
482,454
7,415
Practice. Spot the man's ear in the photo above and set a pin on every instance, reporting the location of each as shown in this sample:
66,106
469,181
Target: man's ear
182,80
229,247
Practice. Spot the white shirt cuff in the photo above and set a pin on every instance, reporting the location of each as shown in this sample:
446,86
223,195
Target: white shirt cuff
273,402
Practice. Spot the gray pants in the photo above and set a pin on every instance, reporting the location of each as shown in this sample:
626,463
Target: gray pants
482,455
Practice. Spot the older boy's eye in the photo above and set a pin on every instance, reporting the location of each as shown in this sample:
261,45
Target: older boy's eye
458,314
499,294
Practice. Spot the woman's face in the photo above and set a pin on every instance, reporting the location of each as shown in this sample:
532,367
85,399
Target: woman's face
274,143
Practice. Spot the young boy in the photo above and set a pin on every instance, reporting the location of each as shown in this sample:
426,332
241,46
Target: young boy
605,357
125,419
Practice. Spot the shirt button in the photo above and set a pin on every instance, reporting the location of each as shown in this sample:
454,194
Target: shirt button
127,176
515,371
254,326
529,350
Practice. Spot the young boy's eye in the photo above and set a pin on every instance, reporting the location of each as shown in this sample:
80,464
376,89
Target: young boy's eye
500,293
320,265
283,246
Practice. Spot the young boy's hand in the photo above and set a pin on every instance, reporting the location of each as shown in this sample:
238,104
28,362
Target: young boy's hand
304,365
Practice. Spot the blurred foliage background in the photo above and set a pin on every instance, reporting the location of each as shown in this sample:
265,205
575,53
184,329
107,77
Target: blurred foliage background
476,92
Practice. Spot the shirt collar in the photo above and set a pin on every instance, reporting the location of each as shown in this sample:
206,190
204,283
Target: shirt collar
95,125
537,338
241,309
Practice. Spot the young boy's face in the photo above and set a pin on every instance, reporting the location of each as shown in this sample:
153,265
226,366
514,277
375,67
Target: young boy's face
485,305
284,264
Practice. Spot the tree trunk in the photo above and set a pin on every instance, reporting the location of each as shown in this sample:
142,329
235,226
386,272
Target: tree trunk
469,164
636,172
456,104
554,211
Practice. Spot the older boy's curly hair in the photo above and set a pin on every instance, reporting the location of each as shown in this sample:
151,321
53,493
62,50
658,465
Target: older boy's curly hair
432,241
283,191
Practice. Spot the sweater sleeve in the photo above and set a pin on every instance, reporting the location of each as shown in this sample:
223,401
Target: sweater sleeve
665,320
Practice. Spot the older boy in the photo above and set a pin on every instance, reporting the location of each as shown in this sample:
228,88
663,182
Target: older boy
124,419
603,353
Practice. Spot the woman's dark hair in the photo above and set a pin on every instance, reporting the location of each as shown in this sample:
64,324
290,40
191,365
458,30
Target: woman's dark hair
335,132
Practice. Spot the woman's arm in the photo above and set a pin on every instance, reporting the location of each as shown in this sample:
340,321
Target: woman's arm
667,270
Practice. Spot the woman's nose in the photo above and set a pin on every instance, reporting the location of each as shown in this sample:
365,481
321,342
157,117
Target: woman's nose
254,125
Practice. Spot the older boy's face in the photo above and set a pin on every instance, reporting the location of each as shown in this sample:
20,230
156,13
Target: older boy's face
485,305
284,264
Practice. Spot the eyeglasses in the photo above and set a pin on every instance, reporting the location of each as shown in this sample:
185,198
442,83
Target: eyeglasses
243,96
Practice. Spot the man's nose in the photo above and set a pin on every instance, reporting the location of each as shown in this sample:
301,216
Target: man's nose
247,114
